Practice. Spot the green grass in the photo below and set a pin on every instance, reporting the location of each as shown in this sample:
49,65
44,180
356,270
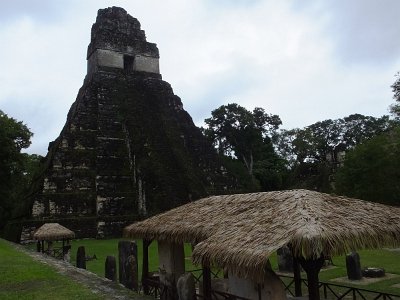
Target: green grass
389,260
103,248
21,277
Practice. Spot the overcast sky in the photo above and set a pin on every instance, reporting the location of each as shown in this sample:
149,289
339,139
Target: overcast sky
306,61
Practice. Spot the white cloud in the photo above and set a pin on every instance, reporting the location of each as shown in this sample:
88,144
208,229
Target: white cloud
287,59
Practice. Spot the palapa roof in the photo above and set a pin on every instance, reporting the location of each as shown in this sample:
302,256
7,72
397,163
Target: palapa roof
241,231
53,231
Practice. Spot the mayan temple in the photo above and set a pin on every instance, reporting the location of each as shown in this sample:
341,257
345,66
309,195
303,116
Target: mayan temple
128,149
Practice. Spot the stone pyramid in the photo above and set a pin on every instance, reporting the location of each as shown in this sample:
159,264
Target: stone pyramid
128,149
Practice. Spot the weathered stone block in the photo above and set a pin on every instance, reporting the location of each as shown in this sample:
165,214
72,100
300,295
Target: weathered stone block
81,258
172,266
285,259
186,287
111,268
353,266
146,64
127,258
132,273
373,272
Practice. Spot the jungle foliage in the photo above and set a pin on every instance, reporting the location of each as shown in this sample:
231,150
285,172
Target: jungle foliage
371,170
246,136
395,107
16,168
306,157
315,152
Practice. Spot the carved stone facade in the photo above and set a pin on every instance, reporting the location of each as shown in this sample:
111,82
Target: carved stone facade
118,42
128,148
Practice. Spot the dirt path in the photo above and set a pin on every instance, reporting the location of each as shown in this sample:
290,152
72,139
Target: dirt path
99,285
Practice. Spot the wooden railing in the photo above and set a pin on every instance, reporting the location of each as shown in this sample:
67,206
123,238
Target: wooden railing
218,295
327,290
198,274
336,291
55,252
157,290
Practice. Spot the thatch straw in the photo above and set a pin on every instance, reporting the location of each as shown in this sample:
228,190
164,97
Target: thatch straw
240,232
52,232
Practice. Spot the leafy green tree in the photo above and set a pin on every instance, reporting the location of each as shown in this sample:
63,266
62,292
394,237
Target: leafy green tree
247,136
395,108
235,131
14,136
357,128
371,170
315,152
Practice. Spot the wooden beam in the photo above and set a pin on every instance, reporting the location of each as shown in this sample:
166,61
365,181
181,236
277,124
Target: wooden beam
206,282
297,277
259,291
145,266
312,267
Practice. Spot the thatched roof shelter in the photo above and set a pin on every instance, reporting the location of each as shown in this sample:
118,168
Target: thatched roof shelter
241,231
53,232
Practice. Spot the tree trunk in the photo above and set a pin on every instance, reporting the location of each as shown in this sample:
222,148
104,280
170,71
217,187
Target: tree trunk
249,164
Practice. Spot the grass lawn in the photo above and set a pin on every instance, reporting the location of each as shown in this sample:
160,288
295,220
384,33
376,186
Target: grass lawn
103,248
389,260
21,277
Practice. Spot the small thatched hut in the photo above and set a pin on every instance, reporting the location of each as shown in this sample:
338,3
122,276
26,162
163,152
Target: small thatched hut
239,232
50,232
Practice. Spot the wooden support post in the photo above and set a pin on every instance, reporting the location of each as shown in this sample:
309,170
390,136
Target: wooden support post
312,268
297,277
43,246
145,266
206,283
259,291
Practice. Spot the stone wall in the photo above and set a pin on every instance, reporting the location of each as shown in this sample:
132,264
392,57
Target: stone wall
111,59
105,58
117,36
146,64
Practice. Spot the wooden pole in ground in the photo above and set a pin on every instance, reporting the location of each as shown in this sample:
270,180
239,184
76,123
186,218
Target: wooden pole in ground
206,283
312,268
145,266
296,273
297,277
259,291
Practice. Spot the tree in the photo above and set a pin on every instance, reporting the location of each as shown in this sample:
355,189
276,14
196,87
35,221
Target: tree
371,170
315,152
247,137
14,136
395,108
235,131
